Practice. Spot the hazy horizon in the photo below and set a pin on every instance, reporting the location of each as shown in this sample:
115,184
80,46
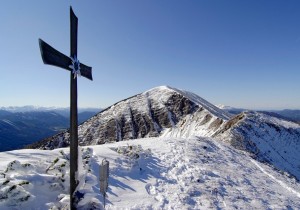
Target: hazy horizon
67,107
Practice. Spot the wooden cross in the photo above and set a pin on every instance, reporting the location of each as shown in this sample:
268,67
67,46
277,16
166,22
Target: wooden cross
53,57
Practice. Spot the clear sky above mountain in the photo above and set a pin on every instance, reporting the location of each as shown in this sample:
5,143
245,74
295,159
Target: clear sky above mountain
238,53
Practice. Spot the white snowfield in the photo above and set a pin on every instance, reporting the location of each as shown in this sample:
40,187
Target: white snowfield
153,173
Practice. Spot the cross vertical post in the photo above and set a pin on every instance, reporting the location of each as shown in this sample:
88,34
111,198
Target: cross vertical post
53,57
73,110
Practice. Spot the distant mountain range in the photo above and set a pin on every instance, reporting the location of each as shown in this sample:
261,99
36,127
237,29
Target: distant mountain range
170,112
20,126
289,113
65,111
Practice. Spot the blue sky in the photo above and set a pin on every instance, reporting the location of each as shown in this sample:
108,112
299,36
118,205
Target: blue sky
237,53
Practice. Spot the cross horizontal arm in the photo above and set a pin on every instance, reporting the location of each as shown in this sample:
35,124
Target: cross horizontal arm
53,57
86,71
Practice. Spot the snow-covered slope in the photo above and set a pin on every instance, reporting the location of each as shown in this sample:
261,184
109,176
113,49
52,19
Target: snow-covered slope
268,138
161,111
155,173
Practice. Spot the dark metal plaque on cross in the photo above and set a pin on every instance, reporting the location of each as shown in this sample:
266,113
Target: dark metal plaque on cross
53,57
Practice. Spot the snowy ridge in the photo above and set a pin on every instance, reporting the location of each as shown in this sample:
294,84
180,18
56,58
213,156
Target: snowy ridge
208,106
155,173
268,138
161,90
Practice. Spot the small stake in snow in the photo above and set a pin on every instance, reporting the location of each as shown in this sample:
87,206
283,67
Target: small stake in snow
104,173
53,57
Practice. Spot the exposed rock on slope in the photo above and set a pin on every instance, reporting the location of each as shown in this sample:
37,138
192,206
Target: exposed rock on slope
160,111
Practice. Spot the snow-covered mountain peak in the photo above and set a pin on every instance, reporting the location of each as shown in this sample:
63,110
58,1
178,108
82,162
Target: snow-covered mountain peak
160,111
158,88
163,92
207,105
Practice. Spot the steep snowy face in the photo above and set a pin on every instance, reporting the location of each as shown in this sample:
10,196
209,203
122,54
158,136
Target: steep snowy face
161,111
268,138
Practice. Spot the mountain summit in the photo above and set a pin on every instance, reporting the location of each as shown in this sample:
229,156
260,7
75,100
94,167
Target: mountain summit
161,111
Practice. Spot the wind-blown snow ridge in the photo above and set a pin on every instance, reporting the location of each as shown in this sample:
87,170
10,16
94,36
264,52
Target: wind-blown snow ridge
195,98
210,107
268,138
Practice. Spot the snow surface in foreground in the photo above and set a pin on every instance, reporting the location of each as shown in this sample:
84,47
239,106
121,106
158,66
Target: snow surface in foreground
155,173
